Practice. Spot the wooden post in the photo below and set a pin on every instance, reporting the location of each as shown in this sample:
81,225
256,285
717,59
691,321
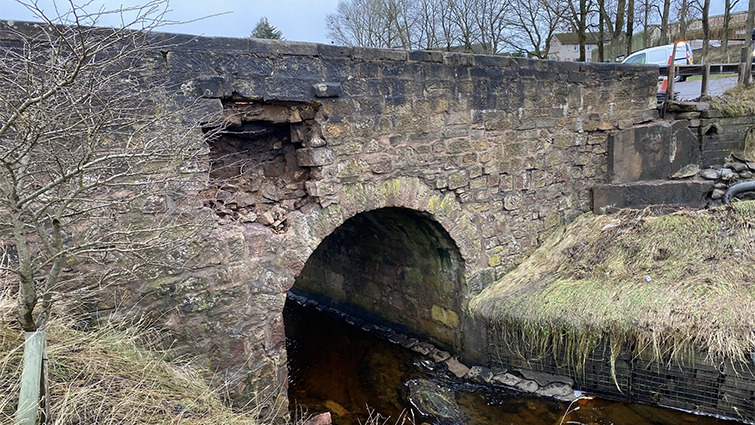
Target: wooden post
704,83
28,400
671,73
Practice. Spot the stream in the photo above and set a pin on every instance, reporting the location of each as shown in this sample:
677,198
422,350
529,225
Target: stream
341,368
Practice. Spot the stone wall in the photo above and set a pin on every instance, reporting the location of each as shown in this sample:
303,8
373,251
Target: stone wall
687,160
495,152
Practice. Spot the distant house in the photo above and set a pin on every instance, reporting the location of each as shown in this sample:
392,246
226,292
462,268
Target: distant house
565,47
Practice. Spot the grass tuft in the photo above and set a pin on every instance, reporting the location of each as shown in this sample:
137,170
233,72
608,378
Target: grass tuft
735,102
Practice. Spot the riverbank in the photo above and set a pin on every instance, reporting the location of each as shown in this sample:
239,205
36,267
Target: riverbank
664,286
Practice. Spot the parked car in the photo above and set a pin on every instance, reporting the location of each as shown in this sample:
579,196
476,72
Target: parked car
660,56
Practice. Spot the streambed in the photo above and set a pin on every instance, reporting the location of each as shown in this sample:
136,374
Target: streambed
341,368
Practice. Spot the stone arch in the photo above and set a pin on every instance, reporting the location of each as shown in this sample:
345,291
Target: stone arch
310,228
428,221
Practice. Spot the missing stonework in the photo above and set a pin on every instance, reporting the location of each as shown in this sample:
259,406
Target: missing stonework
257,164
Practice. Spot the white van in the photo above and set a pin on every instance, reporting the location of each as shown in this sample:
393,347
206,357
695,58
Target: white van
660,56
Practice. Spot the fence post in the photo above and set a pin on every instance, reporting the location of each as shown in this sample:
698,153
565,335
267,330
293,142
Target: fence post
704,83
28,400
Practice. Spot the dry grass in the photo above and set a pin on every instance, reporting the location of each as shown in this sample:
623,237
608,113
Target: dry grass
668,286
735,102
113,375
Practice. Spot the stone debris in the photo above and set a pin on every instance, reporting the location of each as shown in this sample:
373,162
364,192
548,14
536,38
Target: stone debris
689,170
527,385
738,166
506,379
457,368
480,374
321,419
440,356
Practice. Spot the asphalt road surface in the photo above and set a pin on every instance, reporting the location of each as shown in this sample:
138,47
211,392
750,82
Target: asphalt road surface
689,90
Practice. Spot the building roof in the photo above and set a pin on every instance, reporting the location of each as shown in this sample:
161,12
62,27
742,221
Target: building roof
573,38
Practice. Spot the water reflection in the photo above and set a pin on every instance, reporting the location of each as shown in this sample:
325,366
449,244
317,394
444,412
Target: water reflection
337,367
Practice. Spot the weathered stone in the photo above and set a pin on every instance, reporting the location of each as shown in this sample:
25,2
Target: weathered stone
512,201
717,194
266,218
458,179
689,170
444,316
527,385
321,419
610,198
457,368
244,199
727,174
327,89
557,390
316,141
314,157
434,403
480,374
271,193
737,166
506,379
710,174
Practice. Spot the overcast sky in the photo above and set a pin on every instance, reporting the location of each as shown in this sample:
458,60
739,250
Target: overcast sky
298,20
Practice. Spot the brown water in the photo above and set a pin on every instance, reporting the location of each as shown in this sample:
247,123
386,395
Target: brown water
338,367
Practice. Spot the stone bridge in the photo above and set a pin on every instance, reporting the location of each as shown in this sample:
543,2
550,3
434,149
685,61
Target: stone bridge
390,183
396,184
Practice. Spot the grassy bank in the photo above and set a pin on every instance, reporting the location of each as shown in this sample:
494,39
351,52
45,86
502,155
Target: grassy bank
113,375
664,285
735,102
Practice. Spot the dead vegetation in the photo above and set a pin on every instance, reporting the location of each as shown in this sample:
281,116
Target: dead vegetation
114,375
735,102
665,286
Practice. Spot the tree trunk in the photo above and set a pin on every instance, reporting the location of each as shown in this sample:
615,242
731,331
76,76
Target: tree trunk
748,44
630,27
725,28
706,31
582,29
645,22
601,30
664,22
682,35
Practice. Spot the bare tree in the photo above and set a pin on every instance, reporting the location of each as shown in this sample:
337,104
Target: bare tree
96,149
611,15
728,7
532,24
374,23
579,18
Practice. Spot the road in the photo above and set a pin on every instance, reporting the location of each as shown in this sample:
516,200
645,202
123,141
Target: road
689,90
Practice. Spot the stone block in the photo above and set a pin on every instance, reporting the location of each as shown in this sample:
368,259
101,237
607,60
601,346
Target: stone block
314,157
675,194
325,90
651,152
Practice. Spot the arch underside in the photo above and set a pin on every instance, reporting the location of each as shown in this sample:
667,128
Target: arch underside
393,265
